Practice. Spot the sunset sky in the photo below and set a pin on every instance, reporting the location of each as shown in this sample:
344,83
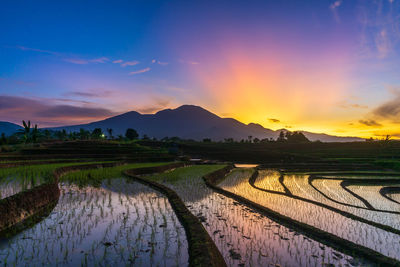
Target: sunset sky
321,66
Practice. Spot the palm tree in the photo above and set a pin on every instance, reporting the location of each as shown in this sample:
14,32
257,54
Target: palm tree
28,133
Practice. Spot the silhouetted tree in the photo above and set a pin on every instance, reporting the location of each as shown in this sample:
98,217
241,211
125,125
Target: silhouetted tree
47,134
281,137
61,135
256,140
97,133
35,134
84,134
3,139
207,140
131,134
27,133
296,137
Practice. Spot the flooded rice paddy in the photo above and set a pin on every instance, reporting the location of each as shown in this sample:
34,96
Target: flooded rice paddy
103,219
13,185
300,198
245,237
120,223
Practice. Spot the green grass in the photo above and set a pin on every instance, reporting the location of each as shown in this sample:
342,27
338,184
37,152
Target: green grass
96,176
44,171
190,172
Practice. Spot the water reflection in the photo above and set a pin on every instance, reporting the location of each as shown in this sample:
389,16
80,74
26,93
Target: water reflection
120,223
12,185
377,239
243,236
238,165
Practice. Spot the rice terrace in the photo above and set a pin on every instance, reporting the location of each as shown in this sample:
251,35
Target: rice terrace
254,133
149,203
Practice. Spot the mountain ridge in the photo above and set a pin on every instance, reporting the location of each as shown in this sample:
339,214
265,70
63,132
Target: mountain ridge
8,128
191,122
186,122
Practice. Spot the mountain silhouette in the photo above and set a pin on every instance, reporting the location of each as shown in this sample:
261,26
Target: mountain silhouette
8,128
191,122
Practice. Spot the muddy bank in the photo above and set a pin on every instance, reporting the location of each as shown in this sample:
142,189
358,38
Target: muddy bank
20,207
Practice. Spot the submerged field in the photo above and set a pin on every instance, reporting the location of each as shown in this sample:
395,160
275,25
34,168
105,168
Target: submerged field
243,236
102,217
118,223
326,204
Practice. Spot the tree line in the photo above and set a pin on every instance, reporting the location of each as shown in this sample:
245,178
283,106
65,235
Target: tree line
31,134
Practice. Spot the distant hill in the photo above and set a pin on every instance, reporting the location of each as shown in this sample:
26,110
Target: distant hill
8,128
191,122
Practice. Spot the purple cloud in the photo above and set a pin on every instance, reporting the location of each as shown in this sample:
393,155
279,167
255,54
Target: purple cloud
46,112
130,63
139,71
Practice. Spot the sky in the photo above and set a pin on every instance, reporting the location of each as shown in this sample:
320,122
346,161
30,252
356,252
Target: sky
322,66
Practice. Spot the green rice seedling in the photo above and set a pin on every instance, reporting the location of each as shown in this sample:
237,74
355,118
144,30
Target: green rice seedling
95,177
79,230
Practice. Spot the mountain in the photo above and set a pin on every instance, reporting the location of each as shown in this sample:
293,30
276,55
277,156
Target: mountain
8,128
191,122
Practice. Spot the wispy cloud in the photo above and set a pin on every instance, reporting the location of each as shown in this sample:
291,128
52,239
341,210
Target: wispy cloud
140,71
76,61
274,120
162,63
81,61
190,62
345,104
371,123
69,100
334,8
24,48
18,82
391,108
93,93
99,60
69,111
130,63
383,44
66,58
47,112
159,104
117,61
380,32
